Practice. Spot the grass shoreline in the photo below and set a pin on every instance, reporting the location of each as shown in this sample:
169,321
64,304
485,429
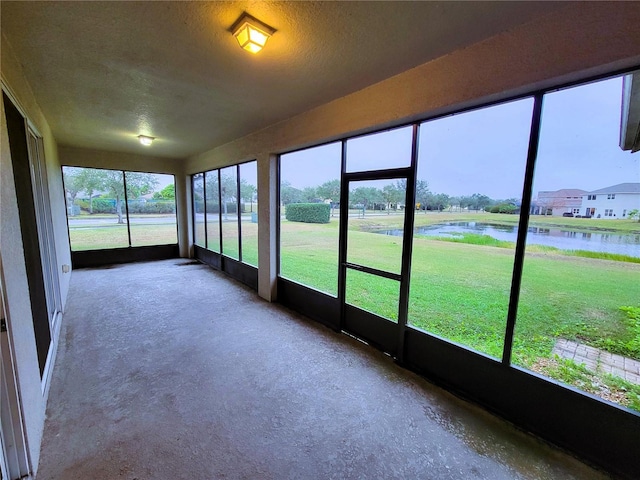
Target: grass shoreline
489,241
372,221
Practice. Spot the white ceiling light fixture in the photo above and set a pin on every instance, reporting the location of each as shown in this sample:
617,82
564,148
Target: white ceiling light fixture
251,33
146,140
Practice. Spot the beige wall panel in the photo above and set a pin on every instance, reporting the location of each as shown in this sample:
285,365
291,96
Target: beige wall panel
84,157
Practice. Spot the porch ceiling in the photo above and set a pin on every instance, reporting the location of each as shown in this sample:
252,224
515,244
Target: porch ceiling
105,72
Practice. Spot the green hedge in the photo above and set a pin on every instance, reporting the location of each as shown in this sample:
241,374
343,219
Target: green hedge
503,208
213,207
308,212
98,205
152,206
108,205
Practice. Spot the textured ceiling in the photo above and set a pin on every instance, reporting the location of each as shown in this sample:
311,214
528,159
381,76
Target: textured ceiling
105,72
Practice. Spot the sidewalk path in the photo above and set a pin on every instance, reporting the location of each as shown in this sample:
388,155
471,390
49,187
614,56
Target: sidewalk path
598,360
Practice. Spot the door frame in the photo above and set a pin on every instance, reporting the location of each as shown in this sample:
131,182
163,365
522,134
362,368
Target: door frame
385,334
44,220
14,454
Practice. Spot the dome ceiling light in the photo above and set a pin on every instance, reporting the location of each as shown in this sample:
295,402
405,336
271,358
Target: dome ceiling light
146,140
251,33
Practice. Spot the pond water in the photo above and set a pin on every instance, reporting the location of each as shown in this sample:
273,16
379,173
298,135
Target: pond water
565,239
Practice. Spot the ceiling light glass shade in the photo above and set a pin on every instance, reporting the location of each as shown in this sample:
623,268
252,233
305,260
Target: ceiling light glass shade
145,140
252,34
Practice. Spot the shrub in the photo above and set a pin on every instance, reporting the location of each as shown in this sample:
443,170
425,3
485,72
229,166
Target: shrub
504,208
153,206
98,205
213,207
308,212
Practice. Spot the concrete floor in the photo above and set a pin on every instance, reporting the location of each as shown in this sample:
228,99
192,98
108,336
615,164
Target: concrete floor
170,370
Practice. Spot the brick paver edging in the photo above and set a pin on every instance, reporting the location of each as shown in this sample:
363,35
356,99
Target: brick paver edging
599,361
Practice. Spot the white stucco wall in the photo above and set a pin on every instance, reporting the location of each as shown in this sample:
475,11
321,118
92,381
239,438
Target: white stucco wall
622,202
11,249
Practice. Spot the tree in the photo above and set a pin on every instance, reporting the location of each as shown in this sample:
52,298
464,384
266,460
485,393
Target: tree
465,201
138,184
247,191
392,195
453,201
439,201
77,179
91,179
289,194
211,184
367,196
229,191
422,193
212,200
167,193
198,193
309,195
633,214
112,182
479,201
329,191
73,183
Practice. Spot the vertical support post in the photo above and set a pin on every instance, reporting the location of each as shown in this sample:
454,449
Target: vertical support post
407,244
342,239
204,208
523,226
184,214
238,215
126,205
219,174
267,226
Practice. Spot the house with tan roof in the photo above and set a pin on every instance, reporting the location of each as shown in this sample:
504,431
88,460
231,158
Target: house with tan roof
558,202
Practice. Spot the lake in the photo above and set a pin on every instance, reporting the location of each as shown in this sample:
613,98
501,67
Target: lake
565,239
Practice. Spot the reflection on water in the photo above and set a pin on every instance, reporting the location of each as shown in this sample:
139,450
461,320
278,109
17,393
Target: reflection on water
625,244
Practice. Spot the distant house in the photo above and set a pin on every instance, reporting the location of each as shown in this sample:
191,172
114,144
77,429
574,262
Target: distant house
611,202
558,202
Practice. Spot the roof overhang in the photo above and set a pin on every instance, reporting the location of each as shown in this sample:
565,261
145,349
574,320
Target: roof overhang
630,122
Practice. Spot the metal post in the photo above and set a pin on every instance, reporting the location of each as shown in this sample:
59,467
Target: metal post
407,245
523,225
126,205
342,241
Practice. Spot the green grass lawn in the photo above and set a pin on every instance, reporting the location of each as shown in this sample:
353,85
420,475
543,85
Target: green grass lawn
115,235
460,291
250,243
91,238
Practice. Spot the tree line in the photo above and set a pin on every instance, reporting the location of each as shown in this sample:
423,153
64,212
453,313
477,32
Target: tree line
392,196
227,191
109,184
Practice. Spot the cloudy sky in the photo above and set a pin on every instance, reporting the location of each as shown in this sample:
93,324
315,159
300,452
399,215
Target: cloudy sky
484,151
